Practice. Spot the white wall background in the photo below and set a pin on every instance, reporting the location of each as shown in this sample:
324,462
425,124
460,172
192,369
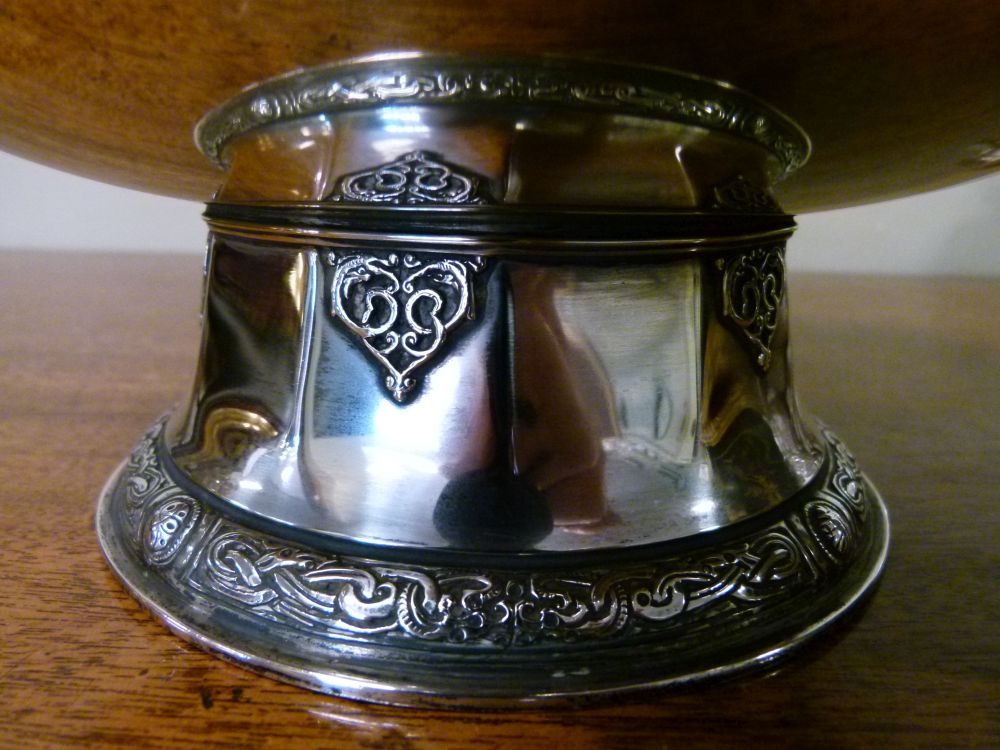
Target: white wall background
955,231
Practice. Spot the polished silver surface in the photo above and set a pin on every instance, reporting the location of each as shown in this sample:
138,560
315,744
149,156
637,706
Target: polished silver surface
415,632
418,400
527,156
494,379
463,239
530,132
407,79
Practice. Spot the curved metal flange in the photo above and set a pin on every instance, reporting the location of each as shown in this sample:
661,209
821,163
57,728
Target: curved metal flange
412,633
402,79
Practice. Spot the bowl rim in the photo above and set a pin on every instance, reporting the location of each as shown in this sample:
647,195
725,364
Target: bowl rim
416,78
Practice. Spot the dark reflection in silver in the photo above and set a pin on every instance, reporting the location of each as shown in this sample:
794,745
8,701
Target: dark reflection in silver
490,349
576,407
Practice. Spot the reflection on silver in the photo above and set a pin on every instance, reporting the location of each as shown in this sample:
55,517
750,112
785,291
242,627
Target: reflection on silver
563,404
413,79
402,307
575,479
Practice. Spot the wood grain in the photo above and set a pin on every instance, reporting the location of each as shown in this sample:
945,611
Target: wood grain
93,347
898,96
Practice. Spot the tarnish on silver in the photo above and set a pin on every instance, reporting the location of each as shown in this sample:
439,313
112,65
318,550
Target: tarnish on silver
416,178
325,595
753,286
402,307
612,88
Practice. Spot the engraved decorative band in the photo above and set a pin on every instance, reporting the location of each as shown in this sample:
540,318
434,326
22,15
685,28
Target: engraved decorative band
327,596
606,87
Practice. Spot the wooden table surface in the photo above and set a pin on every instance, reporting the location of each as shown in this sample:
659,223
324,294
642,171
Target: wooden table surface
907,371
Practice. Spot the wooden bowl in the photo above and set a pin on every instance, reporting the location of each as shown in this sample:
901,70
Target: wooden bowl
901,98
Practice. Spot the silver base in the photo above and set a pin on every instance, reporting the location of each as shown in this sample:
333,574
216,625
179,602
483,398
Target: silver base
412,627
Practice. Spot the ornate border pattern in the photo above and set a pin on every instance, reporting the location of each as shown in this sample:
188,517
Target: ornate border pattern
402,307
753,285
671,96
740,194
413,179
330,596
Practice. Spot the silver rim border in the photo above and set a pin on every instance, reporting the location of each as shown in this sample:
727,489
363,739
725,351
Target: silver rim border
414,78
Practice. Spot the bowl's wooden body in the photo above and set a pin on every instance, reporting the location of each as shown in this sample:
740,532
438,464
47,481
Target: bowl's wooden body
897,96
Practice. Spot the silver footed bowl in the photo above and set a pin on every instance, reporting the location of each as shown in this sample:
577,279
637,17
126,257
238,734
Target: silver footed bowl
494,375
